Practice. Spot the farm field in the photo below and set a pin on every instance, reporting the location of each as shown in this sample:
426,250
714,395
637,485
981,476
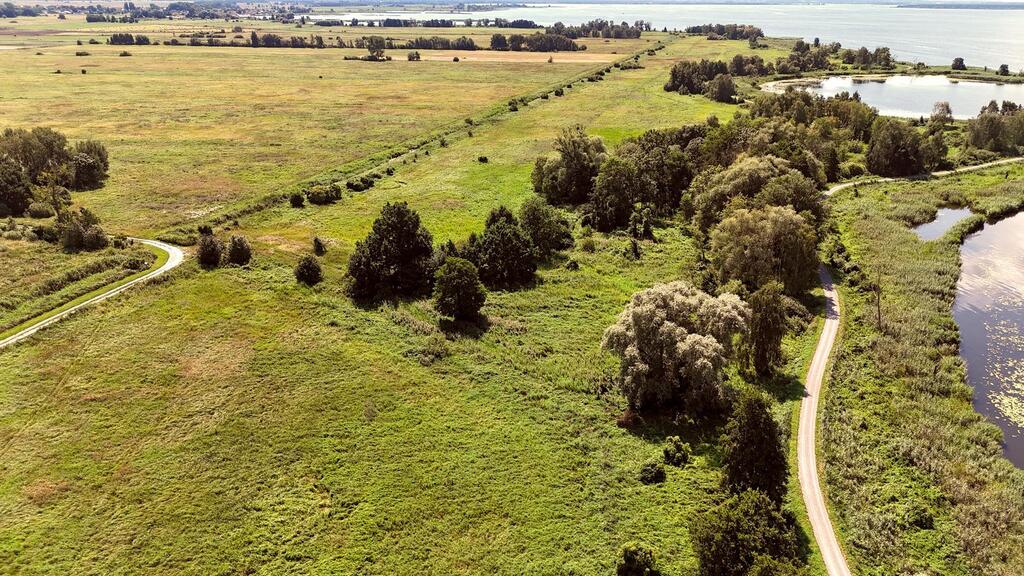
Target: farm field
232,421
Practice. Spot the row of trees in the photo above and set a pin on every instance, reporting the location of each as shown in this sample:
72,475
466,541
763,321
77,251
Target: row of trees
728,31
998,129
547,42
123,39
600,29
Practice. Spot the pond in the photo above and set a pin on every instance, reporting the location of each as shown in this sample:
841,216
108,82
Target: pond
914,96
943,221
989,310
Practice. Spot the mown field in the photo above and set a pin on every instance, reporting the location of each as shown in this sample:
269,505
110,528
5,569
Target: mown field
234,422
911,467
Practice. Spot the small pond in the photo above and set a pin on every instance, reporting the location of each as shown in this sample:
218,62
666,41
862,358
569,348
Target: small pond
989,310
914,96
944,220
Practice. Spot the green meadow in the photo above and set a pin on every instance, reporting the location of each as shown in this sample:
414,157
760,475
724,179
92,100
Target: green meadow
233,421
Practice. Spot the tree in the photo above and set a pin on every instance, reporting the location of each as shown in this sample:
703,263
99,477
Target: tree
394,258
375,45
239,251
15,193
767,327
721,88
619,185
713,191
499,42
569,178
209,251
308,270
546,228
942,116
730,537
933,151
753,455
1004,70
457,289
766,245
990,131
958,64
672,341
503,254
895,148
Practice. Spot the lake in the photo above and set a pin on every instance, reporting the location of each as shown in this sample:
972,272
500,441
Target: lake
914,96
989,309
930,35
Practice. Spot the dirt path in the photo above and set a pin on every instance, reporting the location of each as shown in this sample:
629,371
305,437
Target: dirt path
807,458
174,258
938,174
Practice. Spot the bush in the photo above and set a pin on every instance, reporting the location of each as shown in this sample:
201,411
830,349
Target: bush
124,53
457,289
482,159
394,258
239,251
40,210
637,560
308,270
297,200
323,193
676,452
754,457
319,247
652,472
413,56
94,238
210,251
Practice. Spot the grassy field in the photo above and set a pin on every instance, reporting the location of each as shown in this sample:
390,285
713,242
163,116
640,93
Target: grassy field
910,466
234,422
191,130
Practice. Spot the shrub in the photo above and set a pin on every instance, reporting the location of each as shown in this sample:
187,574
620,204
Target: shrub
652,472
40,210
413,56
569,178
94,238
676,452
239,251
482,159
323,193
457,289
319,247
394,258
209,251
124,53
637,560
587,245
205,230
308,270
297,200
456,59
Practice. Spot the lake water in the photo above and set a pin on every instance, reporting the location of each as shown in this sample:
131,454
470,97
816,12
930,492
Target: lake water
989,309
944,220
933,36
914,96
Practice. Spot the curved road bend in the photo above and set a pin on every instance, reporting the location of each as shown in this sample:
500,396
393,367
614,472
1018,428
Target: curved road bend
174,258
807,458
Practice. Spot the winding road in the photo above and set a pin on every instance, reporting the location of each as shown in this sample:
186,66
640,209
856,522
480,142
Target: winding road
174,258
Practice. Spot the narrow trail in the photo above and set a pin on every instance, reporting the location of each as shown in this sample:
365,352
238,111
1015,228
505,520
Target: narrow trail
807,458
174,258
938,174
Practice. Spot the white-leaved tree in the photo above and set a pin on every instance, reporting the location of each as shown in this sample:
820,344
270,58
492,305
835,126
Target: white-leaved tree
673,341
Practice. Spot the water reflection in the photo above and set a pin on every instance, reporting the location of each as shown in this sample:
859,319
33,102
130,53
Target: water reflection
914,96
989,309
944,220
